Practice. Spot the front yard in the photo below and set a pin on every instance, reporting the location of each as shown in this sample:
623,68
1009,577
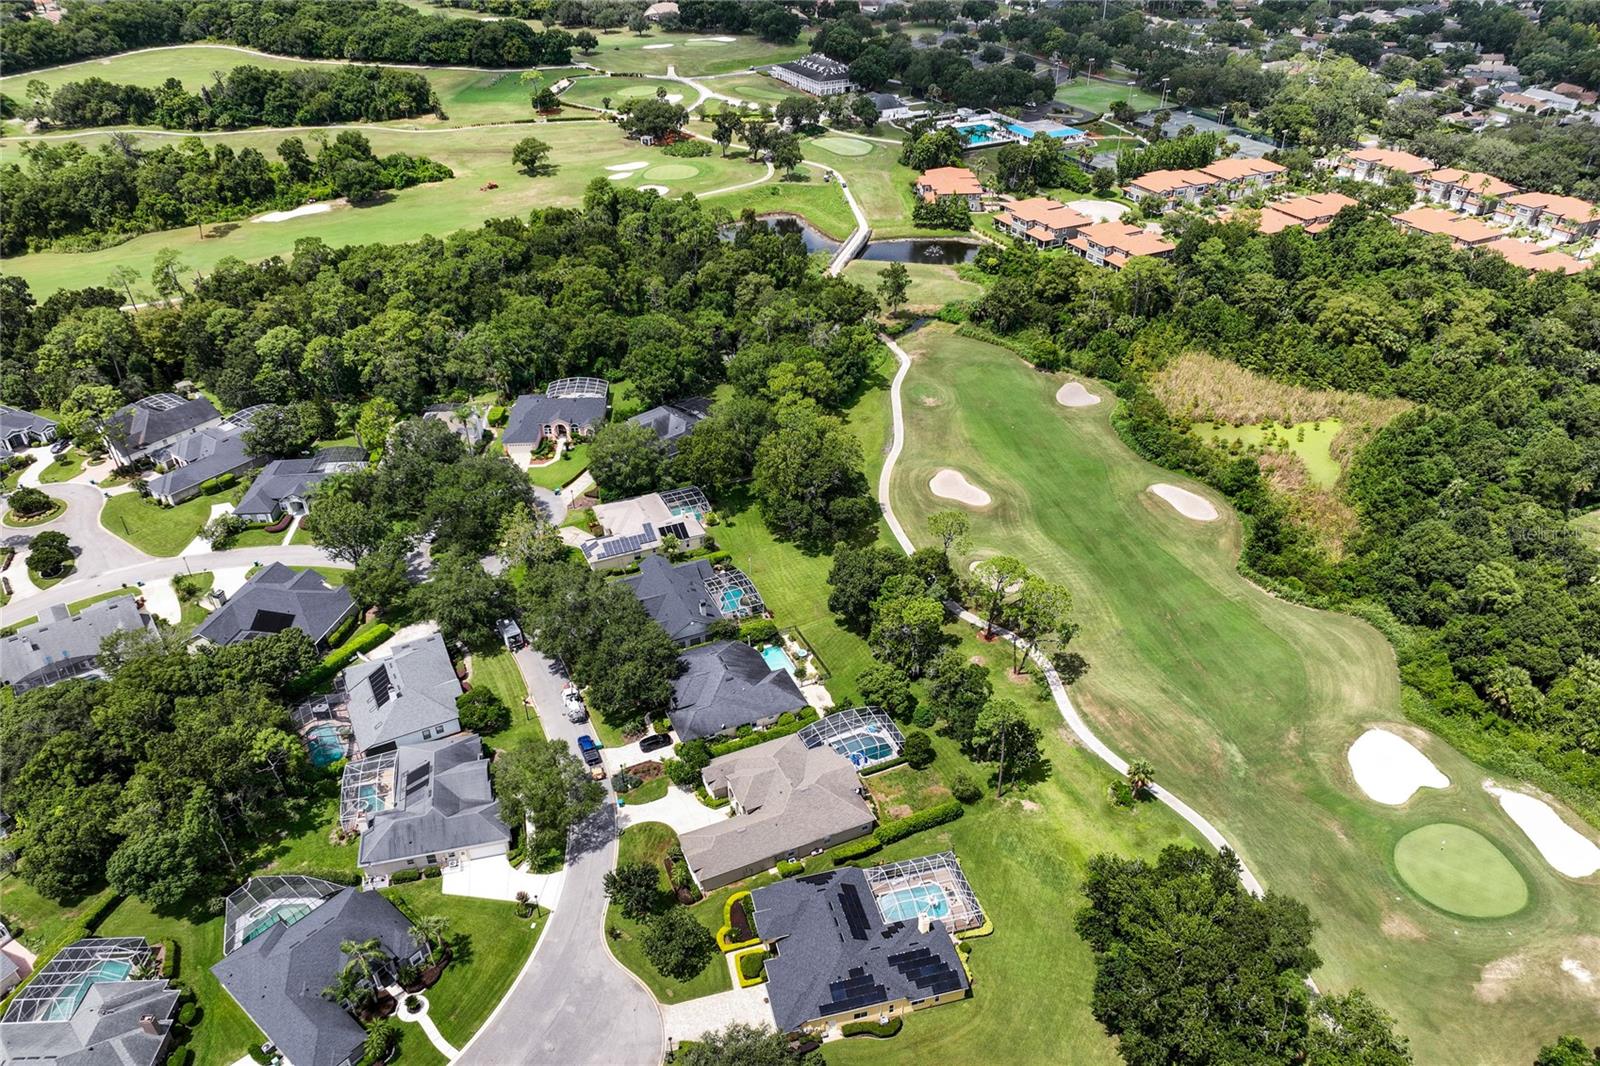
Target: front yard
574,461
649,842
498,672
158,530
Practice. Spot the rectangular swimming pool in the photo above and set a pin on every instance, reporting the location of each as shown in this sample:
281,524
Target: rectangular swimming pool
778,659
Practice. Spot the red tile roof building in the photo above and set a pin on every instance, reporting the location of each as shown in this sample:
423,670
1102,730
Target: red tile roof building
1311,212
1467,191
1566,218
951,181
1374,165
1463,232
1041,221
1112,244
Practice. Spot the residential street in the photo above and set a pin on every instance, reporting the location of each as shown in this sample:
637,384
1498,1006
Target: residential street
573,1003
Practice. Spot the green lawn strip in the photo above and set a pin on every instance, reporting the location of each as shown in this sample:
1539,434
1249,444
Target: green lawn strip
415,1049
1164,617
224,1032
608,735
882,186
593,91
42,582
932,285
158,530
64,467
36,921
498,672
302,535
110,594
819,203
1310,442
648,792
192,613
490,944
257,537
564,471
753,87
649,842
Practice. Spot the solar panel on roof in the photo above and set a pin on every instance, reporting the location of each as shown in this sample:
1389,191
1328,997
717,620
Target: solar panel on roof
854,913
381,687
923,968
858,989
676,529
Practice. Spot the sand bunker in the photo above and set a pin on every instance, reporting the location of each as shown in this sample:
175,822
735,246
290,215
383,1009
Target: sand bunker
1073,394
653,47
1562,846
626,168
712,40
660,189
299,212
1389,768
1191,505
953,485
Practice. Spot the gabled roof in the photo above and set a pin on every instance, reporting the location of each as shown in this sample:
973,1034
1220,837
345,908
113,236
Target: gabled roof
1238,168
728,684
532,412
1392,159
818,67
676,596
412,688
1473,181
1127,239
1569,207
59,1019
671,422
835,953
155,418
207,453
63,637
1043,211
16,420
443,803
1313,212
284,478
1458,228
278,976
275,599
1167,181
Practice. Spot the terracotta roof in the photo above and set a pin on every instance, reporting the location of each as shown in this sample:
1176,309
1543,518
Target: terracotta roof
1157,182
1532,257
950,181
1043,211
1473,181
1039,233
1437,220
1519,100
1129,240
1313,212
1563,206
1237,169
1393,159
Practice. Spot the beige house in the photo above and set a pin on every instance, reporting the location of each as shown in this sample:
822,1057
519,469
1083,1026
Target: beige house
639,526
1467,191
1112,244
1375,165
1040,221
1565,218
940,182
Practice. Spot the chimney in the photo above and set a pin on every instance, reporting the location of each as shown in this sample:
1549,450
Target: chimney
147,1022
924,923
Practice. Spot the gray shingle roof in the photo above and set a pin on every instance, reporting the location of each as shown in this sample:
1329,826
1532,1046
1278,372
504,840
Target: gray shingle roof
284,478
676,596
671,422
103,1028
791,797
444,803
63,644
275,599
14,420
206,454
835,953
278,977
412,689
531,413
728,684
155,418
818,67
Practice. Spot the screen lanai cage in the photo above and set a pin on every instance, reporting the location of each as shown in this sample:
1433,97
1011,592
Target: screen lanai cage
734,594
865,736
367,787
575,387
60,985
262,902
931,886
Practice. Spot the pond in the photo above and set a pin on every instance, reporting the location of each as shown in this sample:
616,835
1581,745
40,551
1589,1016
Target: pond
921,250
815,240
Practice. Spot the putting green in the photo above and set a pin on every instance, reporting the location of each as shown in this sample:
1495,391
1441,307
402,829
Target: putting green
843,145
670,172
1460,870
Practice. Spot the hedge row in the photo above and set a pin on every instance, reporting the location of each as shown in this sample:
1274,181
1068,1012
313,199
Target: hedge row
725,939
169,960
856,849
900,828
84,926
728,747
882,1032
791,869
365,639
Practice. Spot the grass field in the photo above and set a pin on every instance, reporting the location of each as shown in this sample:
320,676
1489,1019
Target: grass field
1098,96
592,91
498,671
1246,705
580,152
932,285
818,202
755,88
690,53
649,842
155,529
63,467
882,186
1459,871
1310,442
1588,527
574,461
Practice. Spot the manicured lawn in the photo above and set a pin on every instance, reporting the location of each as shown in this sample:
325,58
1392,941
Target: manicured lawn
110,594
593,91
691,53
820,203
1310,442
258,538
498,672
36,921
302,844
755,88
932,284
63,467
25,521
649,842
648,792
155,529
1098,96
42,582
881,184
192,613
490,943
1245,704
563,471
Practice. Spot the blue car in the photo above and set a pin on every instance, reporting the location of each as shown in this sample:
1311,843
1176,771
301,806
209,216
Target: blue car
589,750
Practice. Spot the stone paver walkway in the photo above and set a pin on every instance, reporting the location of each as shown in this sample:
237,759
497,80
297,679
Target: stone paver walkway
689,1021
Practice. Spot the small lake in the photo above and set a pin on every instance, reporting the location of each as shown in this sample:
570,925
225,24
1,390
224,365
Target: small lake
921,250
815,240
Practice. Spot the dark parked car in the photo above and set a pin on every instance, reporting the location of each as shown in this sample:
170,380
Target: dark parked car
60,446
655,742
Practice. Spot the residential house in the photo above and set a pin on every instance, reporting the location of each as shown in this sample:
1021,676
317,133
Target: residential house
1237,176
284,486
1040,221
1565,218
1376,165
64,645
835,959
1313,213
1557,101
146,428
890,107
21,429
940,182
1112,244
686,598
1532,257
1463,232
789,800
566,410
728,684
638,526
282,947
671,422
816,74
202,456
1493,69
97,1002
1576,93
1467,191
10,976
1170,186
1524,104
466,422
441,811
277,598
406,695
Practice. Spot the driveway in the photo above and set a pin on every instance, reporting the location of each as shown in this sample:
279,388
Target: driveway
573,1003
98,548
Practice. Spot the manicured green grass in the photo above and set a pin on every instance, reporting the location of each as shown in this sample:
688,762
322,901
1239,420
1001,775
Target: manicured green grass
880,183
258,538
690,54
1311,442
1098,96
498,672
63,467
490,943
592,92
648,792
564,471
302,844
36,921
649,842
1246,704
755,88
191,613
25,521
42,582
1460,871
818,202
110,594
155,529
932,284
224,1033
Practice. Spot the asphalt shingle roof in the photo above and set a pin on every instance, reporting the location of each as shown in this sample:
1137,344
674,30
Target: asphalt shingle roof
15,420
412,689
671,422
272,601
531,413
36,652
676,596
283,478
444,803
155,418
728,684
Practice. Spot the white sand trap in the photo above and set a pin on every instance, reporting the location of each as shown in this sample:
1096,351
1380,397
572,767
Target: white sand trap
1562,846
1577,971
299,212
626,168
712,40
674,98
661,189
1191,505
653,47
1389,768
1073,394
953,485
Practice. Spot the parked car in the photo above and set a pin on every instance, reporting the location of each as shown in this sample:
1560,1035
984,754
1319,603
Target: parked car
511,633
572,700
591,756
60,446
655,742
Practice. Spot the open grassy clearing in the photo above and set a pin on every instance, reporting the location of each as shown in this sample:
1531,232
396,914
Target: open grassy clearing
498,671
1588,527
932,284
818,202
690,54
1098,96
1246,705
158,530
881,185
580,153
1309,442
36,921
755,88
593,91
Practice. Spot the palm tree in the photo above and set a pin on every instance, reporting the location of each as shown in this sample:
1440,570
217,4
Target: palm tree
365,955
429,930
348,989
1141,775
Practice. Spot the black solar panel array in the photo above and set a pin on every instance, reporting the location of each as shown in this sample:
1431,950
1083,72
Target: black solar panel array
926,970
676,529
380,687
854,913
858,989
417,779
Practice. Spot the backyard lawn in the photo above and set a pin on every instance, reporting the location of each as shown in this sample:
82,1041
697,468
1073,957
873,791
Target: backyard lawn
155,529
649,842
498,672
36,921
63,467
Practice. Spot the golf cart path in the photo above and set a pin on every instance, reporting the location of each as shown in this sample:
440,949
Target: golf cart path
1058,690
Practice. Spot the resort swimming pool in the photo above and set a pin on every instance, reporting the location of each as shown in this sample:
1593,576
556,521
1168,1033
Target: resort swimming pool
69,997
324,744
778,659
906,904
979,134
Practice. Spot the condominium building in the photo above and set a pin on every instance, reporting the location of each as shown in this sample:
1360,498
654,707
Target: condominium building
1313,213
1463,232
1375,165
940,182
1467,191
1112,244
1040,221
1565,218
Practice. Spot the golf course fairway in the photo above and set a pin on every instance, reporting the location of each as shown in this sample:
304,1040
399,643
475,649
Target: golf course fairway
1246,705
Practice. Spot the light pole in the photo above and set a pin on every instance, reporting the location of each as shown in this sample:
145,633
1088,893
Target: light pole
1164,92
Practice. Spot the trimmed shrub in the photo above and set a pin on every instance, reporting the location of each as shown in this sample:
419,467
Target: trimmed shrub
497,415
900,828
182,1057
791,869
430,871
803,719
965,789
687,149
856,849
169,959
759,631
365,639
882,1032
405,877
188,1014
752,967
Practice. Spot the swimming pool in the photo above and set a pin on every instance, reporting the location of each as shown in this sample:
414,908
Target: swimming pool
905,904
288,914
778,659
324,744
72,994
863,749
978,134
730,601
1028,134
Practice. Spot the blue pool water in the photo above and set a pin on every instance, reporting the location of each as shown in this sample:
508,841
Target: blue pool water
905,904
1025,132
730,600
72,995
288,914
777,658
863,749
323,742
978,133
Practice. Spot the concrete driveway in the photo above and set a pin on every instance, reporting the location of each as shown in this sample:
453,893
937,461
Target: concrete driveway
573,1003
97,547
